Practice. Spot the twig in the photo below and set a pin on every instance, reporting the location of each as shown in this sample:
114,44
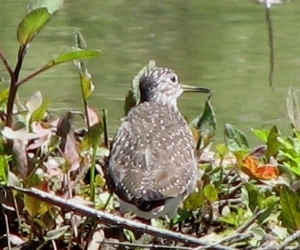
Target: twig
54,244
144,246
35,73
104,116
271,42
240,237
238,232
295,236
245,226
7,231
228,201
13,88
17,210
110,219
232,238
5,62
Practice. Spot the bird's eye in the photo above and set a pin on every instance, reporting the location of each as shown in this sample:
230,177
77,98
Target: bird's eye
173,78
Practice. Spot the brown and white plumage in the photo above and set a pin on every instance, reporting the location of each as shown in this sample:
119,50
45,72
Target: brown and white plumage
152,164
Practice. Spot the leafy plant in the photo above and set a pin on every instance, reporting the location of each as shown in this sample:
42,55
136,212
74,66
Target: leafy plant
243,190
38,16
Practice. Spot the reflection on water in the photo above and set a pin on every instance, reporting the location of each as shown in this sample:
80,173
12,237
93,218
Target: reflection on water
218,44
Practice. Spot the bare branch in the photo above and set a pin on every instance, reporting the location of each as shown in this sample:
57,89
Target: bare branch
5,62
7,231
110,219
237,235
32,75
245,226
295,236
145,246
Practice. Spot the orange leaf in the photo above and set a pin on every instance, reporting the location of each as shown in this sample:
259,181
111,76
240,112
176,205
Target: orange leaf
252,167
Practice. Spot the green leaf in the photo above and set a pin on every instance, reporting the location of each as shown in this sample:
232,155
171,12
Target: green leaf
254,195
210,192
194,201
129,235
100,180
231,218
293,165
94,134
86,85
292,106
206,125
268,204
290,213
32,24
4,168
272,142
222,150
74,54
51,5
56,233
79,40
181,216
133,95
40,112
235,139
261,134
130,101
4,96
34,206
40,223
288,143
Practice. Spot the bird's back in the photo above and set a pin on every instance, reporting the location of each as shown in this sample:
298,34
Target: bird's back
153,156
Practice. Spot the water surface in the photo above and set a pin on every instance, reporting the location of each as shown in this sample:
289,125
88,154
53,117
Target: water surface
222,45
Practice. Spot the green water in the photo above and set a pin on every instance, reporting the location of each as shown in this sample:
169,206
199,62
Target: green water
222,45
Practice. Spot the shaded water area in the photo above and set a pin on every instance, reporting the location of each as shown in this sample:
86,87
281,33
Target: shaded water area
222,45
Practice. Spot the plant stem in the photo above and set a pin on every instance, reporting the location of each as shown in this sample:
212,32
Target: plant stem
85,104
35,73
271,44
10,104
104,115
92,174
5,62
13,85
21,56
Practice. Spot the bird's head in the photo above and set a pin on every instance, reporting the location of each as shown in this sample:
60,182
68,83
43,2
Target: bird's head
161,85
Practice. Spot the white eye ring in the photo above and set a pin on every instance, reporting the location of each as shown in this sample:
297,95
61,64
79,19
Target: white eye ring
173,78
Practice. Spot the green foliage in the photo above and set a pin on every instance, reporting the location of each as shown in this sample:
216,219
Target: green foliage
235,139
205,125
133,95
261,134
73,54
235,219
272,142
4,169
32,24
53,155
290,151
293,111
290,213
260,200
210,192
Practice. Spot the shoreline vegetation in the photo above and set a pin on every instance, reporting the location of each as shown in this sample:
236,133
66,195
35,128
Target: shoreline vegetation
54,194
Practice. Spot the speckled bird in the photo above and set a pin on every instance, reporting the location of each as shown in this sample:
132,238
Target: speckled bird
152,165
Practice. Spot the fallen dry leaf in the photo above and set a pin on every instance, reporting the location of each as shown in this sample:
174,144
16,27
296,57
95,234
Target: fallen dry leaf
252,167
